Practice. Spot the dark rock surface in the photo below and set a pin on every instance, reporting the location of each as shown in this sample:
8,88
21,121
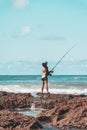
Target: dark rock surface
12,100
60,110
16,121
69,111
48,101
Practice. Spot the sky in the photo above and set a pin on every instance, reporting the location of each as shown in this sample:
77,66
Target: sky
34,31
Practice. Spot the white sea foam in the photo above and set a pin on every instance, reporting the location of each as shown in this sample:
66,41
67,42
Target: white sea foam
69,91
37,88
20,88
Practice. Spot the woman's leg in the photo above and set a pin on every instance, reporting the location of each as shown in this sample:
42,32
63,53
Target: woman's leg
47,86
42,86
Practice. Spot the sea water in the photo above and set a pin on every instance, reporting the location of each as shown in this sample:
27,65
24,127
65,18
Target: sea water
58,84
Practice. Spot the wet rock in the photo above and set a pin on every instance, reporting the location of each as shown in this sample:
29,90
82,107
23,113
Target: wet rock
1,107
12,100
49,101
16,121
71,112
63,111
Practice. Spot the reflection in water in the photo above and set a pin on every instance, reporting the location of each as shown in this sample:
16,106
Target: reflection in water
32,112
49,128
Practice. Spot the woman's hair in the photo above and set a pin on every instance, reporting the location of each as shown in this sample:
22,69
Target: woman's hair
44,64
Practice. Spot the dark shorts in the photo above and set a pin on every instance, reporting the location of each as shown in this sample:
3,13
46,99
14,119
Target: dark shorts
45,78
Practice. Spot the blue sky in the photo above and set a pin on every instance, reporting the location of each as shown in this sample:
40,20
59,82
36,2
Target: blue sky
33,31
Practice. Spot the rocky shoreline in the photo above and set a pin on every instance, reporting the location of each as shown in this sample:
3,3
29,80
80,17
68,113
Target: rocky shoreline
60,110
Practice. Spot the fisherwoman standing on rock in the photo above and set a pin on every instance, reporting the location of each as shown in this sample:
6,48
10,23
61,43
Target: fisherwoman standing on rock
45,73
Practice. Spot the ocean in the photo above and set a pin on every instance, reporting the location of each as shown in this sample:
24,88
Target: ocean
59,84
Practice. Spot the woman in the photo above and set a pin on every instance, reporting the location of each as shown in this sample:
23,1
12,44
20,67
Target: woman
45,73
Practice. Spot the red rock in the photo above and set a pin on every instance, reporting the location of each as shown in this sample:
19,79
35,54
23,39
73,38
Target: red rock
12,100
15,121
63,111
72,113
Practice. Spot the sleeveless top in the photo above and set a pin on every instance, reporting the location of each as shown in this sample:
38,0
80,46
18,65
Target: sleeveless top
43,72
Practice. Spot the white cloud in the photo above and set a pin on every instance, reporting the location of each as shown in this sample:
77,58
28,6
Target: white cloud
20,3
22,32
25,31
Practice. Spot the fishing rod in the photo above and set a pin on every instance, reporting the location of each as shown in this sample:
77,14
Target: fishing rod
63,56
